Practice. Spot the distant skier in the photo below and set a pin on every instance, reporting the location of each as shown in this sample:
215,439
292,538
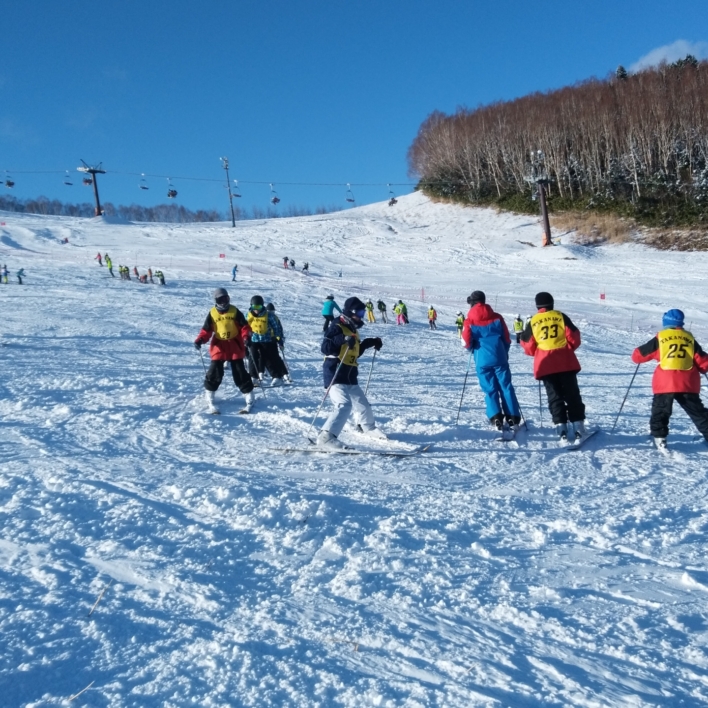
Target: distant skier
136,273
20,273
160,276
109,265
143,279
227,329
234,272
265,331
485,333
280,339
432,317
285,262
292,263
328,308
552,338
370,311
150,276
459,323
677,378
306,268
341,345
518,328
5,274
98,257
401,313
381,305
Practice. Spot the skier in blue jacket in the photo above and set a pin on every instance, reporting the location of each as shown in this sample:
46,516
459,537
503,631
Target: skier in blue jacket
328,308
485,333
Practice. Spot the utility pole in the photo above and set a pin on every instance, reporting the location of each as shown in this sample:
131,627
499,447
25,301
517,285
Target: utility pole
539,176
93,171
225,163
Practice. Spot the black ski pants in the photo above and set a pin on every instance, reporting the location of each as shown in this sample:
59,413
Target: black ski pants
215,375
432,324
662,406
564,401
266,357
328,319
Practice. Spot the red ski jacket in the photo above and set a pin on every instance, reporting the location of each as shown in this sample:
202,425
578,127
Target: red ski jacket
674,374
225,349
551,339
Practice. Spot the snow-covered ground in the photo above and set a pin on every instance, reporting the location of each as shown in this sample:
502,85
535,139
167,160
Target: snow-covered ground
233,574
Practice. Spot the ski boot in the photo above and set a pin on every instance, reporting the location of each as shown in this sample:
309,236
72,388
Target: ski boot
287,379
211,406
580,432
328,441
498,422
375,433
276,382
562,432
250,400
660,444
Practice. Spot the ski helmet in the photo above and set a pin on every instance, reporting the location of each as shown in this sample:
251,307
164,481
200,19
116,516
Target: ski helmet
270,307
458,312
477,297
544,300
329,297
221,298
353,306
257,301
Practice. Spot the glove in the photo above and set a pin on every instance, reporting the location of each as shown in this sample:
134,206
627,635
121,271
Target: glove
378,343
197,345
351,342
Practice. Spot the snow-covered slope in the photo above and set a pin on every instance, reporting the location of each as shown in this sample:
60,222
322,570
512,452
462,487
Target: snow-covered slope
478,574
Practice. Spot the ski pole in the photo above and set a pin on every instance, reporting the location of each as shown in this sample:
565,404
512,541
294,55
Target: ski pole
203,364
366,390
624,399
469,362
324,398
523,417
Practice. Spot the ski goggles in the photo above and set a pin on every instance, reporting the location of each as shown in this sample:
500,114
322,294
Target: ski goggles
360,313
222,300
257,308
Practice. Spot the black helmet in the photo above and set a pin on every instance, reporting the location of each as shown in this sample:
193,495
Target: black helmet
221,298
257,300
270,307
329,297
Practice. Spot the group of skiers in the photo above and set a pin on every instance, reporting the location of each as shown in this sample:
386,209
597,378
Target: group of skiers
256,337
549,336
124,271
5,275
400,310
288,263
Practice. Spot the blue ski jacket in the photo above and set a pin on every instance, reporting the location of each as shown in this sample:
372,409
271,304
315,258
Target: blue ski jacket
486,334
328,308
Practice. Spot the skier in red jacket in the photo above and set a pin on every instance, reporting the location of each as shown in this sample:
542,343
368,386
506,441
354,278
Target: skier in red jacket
677,378
228,331
551,339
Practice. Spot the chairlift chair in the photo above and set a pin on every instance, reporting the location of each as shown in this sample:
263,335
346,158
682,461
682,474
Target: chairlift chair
9,182
88,181
275,198
67,179
171,191
143,182
236,192
392,197
349,195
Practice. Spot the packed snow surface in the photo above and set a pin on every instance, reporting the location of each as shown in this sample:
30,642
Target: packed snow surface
231,573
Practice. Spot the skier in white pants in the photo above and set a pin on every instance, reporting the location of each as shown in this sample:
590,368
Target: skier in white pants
341,345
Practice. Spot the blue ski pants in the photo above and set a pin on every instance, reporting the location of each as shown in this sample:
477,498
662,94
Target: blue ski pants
499,394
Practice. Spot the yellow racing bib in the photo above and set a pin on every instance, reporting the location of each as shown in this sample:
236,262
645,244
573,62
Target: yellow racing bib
225,326
352,357
259,325
676,350
549,330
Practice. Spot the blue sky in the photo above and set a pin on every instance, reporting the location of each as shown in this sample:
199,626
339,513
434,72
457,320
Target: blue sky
310,91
